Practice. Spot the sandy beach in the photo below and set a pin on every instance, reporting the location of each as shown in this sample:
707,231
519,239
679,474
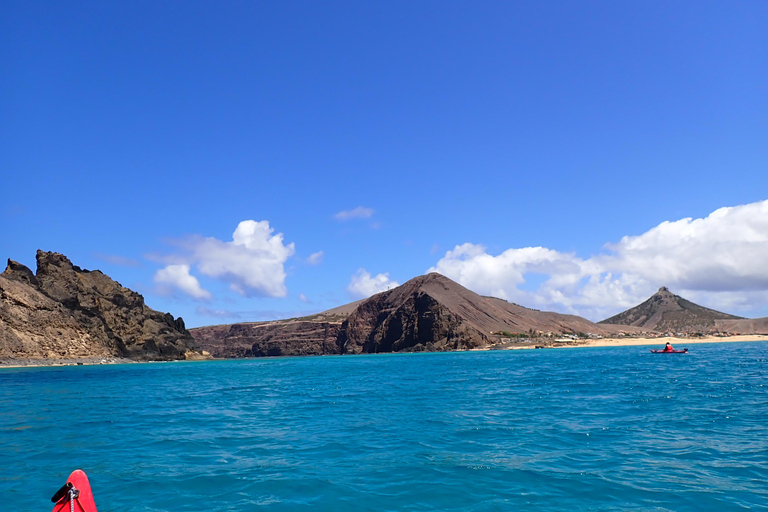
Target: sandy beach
660,342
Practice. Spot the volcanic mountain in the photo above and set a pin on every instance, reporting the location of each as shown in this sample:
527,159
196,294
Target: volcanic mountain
427,313
665,311
66,312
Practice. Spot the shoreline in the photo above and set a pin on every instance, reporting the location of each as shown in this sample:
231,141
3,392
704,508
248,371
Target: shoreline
675,341
678,343
55,362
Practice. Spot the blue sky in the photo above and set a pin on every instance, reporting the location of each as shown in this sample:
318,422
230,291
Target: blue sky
510,145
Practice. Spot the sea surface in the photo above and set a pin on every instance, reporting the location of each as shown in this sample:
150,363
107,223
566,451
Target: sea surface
545,430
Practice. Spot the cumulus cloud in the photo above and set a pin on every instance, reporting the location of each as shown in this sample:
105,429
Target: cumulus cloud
178,277
252,263
363,285
315,258
358,213
710,258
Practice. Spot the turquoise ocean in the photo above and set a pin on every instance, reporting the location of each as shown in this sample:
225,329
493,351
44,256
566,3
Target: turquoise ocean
541,430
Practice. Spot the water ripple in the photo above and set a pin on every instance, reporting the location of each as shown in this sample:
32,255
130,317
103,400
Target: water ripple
556,430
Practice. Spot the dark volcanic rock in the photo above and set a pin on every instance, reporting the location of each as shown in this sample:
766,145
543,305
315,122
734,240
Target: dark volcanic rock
407,318
664,311
287,338
63,311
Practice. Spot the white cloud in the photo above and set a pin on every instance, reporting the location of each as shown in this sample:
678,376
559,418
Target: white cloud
303,298
358,213
315,258
362,285
710,258
178,277
725,251
252,263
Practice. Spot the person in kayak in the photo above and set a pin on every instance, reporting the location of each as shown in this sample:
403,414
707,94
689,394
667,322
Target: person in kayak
669,348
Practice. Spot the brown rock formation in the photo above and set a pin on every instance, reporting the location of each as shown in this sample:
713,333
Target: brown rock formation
411,317
432,312
664,311
428,313
284,338
63,311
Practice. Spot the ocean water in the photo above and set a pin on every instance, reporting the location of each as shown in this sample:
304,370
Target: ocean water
554,430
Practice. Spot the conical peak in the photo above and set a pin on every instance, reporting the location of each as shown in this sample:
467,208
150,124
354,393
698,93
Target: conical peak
432,277
663,289
436,285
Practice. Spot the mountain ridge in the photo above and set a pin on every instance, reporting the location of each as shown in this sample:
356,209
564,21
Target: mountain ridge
427,313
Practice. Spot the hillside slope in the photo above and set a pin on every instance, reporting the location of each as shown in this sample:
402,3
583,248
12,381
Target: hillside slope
743,326
665,311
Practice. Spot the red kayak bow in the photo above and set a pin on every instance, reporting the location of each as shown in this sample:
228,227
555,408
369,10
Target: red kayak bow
75,495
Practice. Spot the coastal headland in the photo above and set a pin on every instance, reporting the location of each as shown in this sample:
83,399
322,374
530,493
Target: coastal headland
66,315
63,312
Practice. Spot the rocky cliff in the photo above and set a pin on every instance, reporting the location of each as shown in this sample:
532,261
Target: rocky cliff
664,311
284,338
65,312
410,317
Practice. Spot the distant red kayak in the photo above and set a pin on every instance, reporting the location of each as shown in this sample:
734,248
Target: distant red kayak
75,495
662,351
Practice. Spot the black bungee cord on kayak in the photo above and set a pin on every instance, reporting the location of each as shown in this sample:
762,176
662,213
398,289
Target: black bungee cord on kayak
72,494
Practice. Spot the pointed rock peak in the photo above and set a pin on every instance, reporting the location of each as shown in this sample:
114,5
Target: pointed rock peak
665,311
45,260
19,272
15,266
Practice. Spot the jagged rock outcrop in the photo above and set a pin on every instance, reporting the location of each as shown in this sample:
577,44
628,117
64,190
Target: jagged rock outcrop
666,312
63,311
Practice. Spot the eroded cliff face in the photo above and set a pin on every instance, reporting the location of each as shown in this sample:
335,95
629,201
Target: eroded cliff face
408,318
286,338
63,311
